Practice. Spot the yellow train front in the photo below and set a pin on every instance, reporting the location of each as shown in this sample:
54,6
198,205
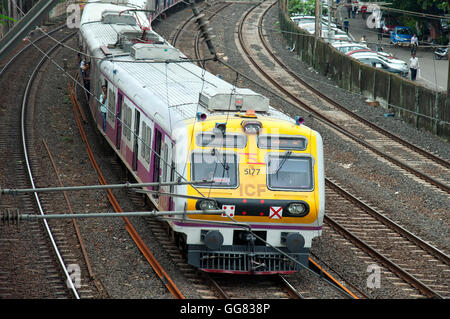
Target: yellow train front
268,177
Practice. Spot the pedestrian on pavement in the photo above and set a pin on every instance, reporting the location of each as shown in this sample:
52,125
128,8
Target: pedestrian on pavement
413,66
354,8
414,44
363,11
379,28
363,39
349,8
346,24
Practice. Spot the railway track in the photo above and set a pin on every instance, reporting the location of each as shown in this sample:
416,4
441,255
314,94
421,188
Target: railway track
425,167
34,244
157,267
190,44
394,245
436,289
408,257
418,263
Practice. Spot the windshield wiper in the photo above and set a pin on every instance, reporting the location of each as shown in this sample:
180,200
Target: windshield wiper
285,157
215,153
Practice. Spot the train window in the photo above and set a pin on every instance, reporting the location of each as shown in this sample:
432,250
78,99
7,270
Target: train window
146,142
127,123
111,105
290,173
213,165
282,142
218,140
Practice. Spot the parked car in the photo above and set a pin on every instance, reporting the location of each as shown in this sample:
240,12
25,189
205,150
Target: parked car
401,35
300,19
304,19
373,59
340,38
441,53
346,47
308,27
388,25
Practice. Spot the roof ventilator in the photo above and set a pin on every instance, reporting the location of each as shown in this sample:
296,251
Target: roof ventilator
238,100
154,51
126,39
113,17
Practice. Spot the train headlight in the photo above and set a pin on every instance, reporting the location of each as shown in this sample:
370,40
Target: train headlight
207,204
251,127
298,209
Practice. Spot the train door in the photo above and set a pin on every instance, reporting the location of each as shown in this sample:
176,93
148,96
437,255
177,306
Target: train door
157,156
137,116
119,120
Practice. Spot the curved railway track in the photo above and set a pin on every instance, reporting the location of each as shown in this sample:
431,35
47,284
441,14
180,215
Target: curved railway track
159,270
432,170
190,44
392,240
418,263
29,243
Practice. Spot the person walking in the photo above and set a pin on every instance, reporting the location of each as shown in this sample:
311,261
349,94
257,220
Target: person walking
349,8
414,44
413,66
379,27
363,11
346,24
354,8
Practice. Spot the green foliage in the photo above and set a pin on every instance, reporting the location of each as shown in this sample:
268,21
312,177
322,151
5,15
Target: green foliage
427,6
306,7
4,18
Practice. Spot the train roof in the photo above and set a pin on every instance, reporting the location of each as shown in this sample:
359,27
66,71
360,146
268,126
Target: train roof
174,81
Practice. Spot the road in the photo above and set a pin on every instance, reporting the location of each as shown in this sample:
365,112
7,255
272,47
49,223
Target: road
433,73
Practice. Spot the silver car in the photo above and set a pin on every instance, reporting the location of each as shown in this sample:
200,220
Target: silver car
389,64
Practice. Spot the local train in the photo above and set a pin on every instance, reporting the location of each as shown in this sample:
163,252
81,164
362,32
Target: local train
170,120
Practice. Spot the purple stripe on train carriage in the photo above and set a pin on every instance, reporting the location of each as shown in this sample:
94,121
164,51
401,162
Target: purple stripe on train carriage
138,107
262,226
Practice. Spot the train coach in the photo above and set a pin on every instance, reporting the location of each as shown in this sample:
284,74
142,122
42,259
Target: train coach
169,120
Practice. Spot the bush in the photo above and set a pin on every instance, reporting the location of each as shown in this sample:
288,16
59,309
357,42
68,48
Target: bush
306,7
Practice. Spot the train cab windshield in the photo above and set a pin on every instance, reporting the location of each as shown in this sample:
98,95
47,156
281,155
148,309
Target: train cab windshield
220,167
208,139
287,172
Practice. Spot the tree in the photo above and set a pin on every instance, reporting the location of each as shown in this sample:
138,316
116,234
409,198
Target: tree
306,7
427,6
434,7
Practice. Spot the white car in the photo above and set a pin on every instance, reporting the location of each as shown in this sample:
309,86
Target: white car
346,47
303,19
335,36
373,59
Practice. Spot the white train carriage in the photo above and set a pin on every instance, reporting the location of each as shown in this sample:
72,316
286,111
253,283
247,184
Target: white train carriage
162,109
